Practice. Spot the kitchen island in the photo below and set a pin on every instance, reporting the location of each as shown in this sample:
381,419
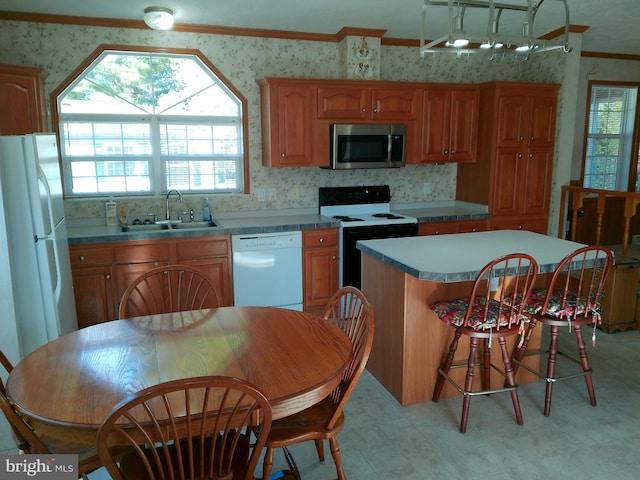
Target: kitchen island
403,276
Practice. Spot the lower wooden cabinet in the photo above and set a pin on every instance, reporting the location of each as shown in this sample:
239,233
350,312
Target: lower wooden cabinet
102,272
212,257
319,267
532,224
461,226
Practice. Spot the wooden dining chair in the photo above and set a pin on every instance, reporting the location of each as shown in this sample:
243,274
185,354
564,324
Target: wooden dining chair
28,441
494,310
350,310
570,301
168,289
195,428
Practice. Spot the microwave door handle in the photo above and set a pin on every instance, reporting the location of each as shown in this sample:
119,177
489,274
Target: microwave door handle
389,145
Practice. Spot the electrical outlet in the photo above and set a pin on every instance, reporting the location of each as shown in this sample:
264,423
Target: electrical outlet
273,195
426,188
261,195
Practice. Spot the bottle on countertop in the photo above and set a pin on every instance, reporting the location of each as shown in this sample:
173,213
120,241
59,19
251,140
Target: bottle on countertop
207,210
122,217
110,209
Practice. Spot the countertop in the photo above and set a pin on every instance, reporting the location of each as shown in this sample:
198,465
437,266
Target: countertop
460,257
239,223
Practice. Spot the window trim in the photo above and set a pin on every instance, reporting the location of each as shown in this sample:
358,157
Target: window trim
634,160
148,49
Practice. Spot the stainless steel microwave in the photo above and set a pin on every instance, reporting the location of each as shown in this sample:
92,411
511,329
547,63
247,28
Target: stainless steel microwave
367,146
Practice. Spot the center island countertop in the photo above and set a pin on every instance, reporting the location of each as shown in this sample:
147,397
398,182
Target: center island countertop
460,257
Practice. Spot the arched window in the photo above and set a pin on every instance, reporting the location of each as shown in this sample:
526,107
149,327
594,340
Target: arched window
145,122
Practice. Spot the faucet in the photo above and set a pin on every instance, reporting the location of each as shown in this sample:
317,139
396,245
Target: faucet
167,214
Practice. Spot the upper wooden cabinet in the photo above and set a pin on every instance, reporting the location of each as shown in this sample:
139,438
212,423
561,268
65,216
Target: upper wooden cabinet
359,103
22,99
449,124
513,172
288,110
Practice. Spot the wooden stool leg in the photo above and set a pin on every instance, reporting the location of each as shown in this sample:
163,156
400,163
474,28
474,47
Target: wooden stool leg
468,383
511,380
486,365
551,368
519,352
586,366
446,366
320,449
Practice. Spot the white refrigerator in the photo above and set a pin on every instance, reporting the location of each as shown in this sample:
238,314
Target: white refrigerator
36,290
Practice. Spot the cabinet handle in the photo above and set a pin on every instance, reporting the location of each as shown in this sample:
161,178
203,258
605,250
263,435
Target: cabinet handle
82,258
532,138
446,152
107,277
521,138
375,110
519,155
364,109
333,257
531,155
283,155
321,240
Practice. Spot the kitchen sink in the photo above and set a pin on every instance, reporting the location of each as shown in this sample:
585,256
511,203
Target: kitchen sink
151,227
185,225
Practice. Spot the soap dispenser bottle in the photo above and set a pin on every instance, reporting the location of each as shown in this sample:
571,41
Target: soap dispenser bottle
207,210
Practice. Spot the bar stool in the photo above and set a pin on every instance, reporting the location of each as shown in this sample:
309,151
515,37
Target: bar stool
495,309
570,301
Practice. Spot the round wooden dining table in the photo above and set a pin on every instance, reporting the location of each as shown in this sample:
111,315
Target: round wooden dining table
68,386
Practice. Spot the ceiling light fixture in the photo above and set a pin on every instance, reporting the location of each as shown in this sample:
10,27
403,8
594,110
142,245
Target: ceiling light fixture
486,18
158,18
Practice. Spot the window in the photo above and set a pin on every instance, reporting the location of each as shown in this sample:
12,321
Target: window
145,122
612,138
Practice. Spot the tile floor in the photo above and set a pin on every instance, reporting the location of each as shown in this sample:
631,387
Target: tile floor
383,440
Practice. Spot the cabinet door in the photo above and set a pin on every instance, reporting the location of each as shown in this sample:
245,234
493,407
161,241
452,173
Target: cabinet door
513,120
436,111
294,127
535,181
506,181
463,134
542,121
398,104
344,103
218,270
320,267
94,293
126,273
22,100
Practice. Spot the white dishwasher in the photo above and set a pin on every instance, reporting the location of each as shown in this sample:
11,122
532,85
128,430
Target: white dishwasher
267,269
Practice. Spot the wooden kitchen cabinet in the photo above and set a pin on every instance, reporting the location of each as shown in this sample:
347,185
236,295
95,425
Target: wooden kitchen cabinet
102,272
212,256
92,275
458,226
346,104
131,261
449,124
513,172
288,110
319,267
22,98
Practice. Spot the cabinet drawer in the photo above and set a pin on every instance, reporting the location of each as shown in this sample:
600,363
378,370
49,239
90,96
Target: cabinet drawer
83,256
142,253
213,247
320,238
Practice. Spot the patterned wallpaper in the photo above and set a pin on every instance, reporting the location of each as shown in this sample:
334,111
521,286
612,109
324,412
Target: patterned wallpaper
60,49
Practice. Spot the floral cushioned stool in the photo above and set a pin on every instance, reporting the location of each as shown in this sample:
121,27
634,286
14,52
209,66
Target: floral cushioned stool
571,300
495,309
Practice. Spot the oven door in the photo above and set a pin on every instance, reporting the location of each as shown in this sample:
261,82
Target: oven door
350,255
